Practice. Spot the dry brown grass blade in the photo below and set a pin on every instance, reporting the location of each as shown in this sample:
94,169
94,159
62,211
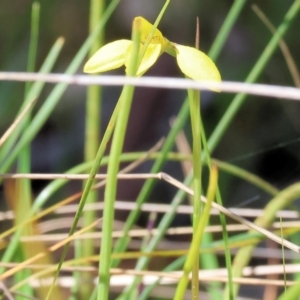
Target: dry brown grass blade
5,292
40,255
232,215
178,184
72,198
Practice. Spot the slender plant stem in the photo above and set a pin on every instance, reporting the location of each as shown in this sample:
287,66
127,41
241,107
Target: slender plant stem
222,36
253,75
165,222
92,135
193,255
93,107
23,186
113,168
122,243
194,100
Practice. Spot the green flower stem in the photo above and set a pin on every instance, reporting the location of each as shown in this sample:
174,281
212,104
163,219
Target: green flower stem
194,101
193,255
113,168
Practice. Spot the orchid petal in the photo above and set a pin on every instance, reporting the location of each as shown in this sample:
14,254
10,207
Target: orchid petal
146,28
196,65
151,55
109,57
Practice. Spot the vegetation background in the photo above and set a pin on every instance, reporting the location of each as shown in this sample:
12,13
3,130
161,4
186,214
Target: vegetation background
263,137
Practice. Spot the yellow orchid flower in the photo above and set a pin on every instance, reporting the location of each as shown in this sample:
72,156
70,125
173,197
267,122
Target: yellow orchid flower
192,62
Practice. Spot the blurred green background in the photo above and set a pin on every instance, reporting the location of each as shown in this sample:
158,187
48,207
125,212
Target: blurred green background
263,138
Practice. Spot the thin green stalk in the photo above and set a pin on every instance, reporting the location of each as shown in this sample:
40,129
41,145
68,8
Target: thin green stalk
162,227
222,36
33,93
93,110
253,75
113,168
23,199
155,25
24,161
222,219
194,101
193,255
92,136
283,258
